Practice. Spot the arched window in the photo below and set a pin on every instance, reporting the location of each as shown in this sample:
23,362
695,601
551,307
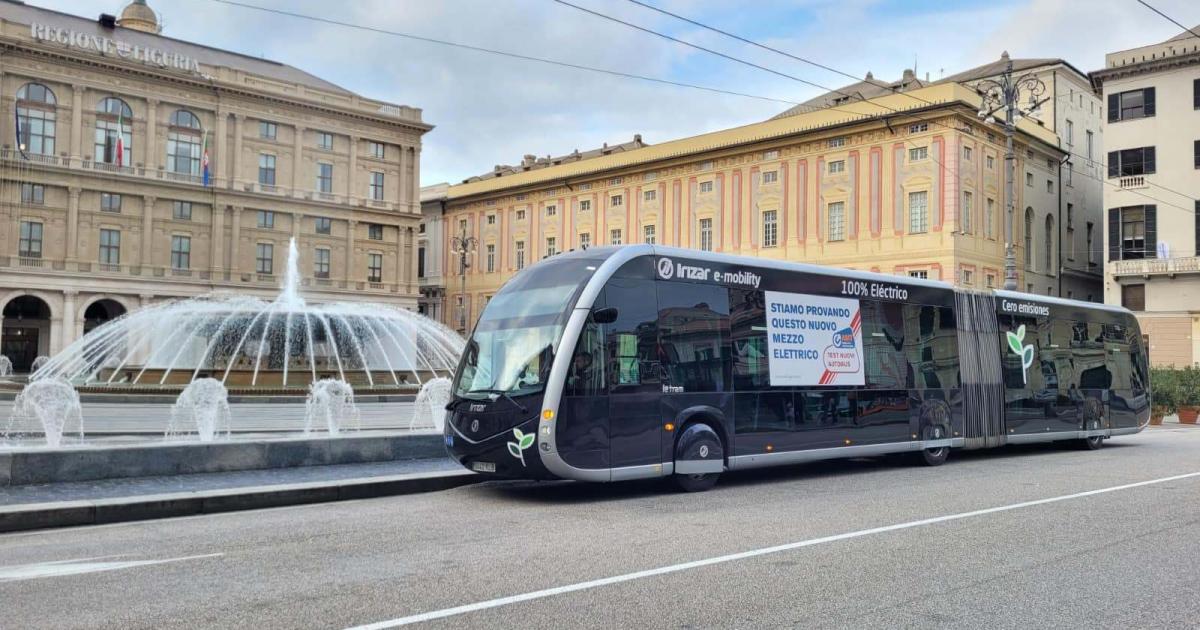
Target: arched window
1050,244
1029,237
184,143
114,132
36,118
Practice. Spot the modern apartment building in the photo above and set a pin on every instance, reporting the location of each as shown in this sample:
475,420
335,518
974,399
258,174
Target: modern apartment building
143,168
1152,230
907,183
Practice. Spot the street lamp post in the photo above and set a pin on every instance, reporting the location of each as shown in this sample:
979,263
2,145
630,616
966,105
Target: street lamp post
1005,94
464,246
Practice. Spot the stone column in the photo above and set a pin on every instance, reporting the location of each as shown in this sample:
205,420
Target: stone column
414,199
218,240
352,228
297,162
69,328
235,240
239,128
412,263
150,149
297,220
73,222
222,136
148,230
351,186
403,243
402,182
77,143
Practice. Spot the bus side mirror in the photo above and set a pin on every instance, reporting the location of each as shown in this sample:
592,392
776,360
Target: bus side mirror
605,315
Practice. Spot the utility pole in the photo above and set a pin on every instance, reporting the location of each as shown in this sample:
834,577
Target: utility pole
464,246
1005,94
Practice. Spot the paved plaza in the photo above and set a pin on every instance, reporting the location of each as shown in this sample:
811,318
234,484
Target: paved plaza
1079,539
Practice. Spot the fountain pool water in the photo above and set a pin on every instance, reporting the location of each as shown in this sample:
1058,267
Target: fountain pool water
248,343
53,404
331,403
5,366
430,405
38,362
204,405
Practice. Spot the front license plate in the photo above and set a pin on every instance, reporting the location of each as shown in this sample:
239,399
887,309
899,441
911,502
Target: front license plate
483,467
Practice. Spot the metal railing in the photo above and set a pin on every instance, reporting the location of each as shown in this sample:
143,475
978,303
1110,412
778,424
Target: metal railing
1132,182
1156,266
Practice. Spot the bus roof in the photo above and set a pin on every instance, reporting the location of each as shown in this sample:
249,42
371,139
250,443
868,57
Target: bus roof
617,255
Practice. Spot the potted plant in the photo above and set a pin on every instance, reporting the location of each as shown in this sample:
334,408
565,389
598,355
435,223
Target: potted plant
1164,393
1188,392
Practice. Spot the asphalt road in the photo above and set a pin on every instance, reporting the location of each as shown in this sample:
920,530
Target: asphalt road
1024,537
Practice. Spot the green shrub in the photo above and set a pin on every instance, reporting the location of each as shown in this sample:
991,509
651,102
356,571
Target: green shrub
1165,389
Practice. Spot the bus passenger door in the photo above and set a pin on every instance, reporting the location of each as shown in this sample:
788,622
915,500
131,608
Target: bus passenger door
634,382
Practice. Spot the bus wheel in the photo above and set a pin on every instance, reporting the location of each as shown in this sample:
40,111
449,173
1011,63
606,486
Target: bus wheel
934,456
699,458
1095,442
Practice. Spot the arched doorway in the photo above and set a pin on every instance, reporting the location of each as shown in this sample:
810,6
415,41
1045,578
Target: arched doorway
101,312
26,331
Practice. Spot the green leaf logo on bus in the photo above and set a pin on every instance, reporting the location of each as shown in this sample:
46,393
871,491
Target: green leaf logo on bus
524,441
1015,343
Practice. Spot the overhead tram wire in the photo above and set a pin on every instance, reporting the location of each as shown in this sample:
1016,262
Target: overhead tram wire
503,53
847,74
859,115
1168,18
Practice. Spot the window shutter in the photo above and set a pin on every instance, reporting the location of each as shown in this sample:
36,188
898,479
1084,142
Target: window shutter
1196,153
1148,102
1196,94
1151,230
1197,219
1114,107
1148,160
1114,234
1114,163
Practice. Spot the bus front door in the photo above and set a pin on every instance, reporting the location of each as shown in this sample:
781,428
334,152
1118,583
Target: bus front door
633,373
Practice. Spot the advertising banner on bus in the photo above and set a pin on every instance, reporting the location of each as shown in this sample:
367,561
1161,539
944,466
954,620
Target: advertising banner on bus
813,340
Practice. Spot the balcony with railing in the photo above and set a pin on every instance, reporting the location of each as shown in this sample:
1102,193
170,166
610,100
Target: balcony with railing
1155,266
1132,182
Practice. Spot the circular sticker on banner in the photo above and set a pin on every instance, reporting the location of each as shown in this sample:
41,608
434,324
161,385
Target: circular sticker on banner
666,268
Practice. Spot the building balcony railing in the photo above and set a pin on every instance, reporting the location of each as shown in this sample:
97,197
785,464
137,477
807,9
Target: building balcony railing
43,266
1133,182
164,175
1155,266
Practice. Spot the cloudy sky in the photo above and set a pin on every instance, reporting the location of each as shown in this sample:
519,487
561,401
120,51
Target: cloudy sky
491,110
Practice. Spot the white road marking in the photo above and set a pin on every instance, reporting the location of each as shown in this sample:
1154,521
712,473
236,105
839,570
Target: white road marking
753,553
60,568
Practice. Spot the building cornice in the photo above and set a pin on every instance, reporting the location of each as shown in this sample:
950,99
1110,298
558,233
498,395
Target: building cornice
1144,67
9,45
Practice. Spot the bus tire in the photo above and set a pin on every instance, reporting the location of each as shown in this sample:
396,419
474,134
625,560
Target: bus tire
935,423
1091,422
698,445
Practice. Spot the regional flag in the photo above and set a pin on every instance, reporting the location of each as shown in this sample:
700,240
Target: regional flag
120,139
204,159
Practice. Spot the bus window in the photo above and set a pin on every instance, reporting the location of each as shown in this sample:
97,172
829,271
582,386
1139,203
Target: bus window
933,348
632,339
748,332
693,321
586,375
886,365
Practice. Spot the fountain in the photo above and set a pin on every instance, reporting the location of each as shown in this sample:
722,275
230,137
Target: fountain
5,367
430,405
204,404
51,403
330,402
38,362
252,344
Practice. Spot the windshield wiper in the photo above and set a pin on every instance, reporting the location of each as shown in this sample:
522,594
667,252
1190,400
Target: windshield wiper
503,393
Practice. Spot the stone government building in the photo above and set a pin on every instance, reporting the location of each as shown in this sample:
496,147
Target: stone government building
90,231
908,181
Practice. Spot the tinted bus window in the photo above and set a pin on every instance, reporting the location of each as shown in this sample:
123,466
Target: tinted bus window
586,375
693,324
886,365
933,351
632,339
748,330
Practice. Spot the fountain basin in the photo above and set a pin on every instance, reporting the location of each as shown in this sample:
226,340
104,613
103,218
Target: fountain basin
90,463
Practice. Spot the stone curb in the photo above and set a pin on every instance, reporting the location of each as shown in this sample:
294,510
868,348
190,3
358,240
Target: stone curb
118,510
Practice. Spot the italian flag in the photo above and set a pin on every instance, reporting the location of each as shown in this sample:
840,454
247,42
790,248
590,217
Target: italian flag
120,140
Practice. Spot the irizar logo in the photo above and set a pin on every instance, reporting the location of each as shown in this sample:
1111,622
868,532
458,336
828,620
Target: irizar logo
1015,343
666,268
524,441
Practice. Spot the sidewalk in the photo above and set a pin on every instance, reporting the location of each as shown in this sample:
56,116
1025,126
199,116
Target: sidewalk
114,500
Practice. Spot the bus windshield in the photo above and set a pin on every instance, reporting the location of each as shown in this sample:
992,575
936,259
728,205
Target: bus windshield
513,344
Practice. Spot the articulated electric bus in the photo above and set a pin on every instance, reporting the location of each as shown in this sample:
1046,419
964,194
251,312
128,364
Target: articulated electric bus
645,361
